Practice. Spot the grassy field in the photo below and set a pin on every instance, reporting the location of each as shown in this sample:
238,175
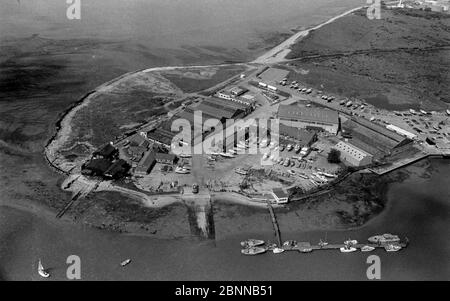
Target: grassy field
197,79
398,62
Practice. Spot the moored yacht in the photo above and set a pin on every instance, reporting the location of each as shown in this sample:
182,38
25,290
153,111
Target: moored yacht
384,238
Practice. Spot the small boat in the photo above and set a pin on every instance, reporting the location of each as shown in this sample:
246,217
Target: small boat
351,242
448,112
241,171
182,155
252,242
253,251
392,247
227,155
347,249
277,250
367,249
328,175
125,262
42,272
322,243
384,238
290,243
182,170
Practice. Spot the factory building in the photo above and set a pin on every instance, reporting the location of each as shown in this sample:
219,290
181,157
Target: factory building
300,136
375,139
146,164
353,155
309,118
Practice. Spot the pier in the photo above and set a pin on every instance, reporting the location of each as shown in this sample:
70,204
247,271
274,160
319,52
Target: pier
407,161
275,224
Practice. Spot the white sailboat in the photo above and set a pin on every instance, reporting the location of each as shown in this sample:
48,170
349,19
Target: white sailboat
42,272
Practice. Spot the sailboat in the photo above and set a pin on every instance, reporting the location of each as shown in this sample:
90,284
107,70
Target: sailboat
42,271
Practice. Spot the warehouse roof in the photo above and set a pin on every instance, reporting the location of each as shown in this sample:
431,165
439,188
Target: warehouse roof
146,162
217,110
379,129
298,134
308,114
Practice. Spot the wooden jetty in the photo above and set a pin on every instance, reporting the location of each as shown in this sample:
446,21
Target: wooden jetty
307,247
275,223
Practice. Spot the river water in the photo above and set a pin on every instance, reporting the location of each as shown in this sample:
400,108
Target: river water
417,208
219,30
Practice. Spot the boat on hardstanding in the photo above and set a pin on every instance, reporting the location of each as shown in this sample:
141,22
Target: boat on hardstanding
183,155
252,242
253,251
41,271
227,155
448,112
182,170
241,171
367,249
384,238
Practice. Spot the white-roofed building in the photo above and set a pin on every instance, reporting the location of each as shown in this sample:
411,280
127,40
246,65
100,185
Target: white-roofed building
352,154
401,131
295,116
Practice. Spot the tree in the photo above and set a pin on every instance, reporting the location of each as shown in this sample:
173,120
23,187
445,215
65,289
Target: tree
334,156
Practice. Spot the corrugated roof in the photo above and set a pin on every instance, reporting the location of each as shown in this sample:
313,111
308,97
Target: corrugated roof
146,162
378,128
308,114
216,110
296,133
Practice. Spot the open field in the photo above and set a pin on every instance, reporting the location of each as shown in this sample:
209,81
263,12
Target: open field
196,79
397,62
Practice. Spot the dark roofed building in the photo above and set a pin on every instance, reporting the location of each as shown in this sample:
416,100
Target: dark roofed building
117,170
375,139
96,167
146,164
295,116
303,137
106,151
218,111
161,136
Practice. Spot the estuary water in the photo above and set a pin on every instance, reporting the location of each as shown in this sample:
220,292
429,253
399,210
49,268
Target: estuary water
417,208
